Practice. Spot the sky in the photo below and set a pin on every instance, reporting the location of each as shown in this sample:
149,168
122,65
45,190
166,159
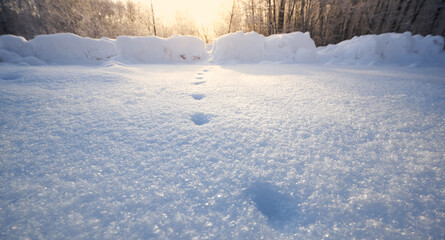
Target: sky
203,12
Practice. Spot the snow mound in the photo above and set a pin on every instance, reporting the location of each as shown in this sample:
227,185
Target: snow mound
67,48
252,47
14,49
240,47
293,47
383,49
159,50
15,44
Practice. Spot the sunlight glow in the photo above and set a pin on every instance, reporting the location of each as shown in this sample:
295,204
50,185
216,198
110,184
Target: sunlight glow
203,12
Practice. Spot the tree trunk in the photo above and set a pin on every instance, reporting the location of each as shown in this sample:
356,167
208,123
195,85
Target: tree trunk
275,16
290,14
231,17
252,9
438,20
269,14
4,19
419,6
303,19
153,17
281,16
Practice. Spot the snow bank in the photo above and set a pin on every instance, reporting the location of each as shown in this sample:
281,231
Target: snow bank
293,47
297,47
67,48
388,48
14,49
15,44
159,50
253,47
241,47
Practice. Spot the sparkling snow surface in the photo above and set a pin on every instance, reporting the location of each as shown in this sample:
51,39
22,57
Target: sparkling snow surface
222,152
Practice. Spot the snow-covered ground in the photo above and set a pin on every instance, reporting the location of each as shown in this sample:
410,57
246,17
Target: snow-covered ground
265,151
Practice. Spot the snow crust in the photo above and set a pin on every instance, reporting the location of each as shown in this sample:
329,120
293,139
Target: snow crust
248,151
297,47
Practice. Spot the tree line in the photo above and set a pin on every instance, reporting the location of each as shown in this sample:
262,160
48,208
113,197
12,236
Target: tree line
328,21
331,21
88,18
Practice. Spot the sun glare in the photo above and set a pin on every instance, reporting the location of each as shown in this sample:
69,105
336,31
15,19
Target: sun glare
203,12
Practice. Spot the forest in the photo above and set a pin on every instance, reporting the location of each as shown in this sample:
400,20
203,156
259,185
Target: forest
328,21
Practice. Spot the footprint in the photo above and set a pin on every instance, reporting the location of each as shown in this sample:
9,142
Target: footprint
205,70
10,77
277,207
200,74
199,78
200,118
199,83
198,96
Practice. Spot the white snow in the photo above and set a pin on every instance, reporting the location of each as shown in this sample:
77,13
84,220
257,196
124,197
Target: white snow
102,149
388,48
270,151
239,47
62,48
294,47
252,47
385,49
14,49
67,48
70,48
157,50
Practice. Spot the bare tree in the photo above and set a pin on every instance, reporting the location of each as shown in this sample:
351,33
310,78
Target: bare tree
280,25
232,14
153,17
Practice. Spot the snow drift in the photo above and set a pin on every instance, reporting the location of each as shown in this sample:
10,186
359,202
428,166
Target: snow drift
67,48
388,48
62,48
253,47
239,47
242,47
159,50
14,49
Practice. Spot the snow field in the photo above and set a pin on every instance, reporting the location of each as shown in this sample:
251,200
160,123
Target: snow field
385,49
252,151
